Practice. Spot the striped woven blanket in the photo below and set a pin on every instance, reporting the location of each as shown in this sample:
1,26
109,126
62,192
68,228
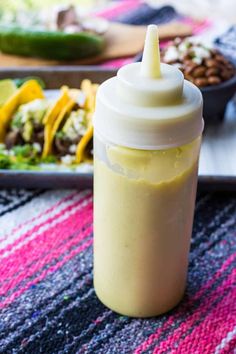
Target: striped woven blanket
47,300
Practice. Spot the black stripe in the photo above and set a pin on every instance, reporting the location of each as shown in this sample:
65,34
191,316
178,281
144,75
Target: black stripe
21,202
82,309
212,223
78,343
52,312
67,287
42,307
56,312
213,236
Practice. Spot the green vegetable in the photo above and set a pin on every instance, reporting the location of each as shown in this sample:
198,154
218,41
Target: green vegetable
7,89
16,121
23,166
24,155
49,44
28,130
5,162
22,150
60,134
49,159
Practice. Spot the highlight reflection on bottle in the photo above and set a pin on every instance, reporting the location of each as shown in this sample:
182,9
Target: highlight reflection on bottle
148,125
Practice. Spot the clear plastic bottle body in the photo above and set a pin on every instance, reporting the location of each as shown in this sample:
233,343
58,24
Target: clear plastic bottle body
143,215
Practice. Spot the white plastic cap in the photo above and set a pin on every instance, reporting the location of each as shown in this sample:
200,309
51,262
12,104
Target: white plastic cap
149,105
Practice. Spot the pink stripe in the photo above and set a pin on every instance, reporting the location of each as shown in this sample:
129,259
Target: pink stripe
36,248
50,254
48,259
197,26
118,9
17,228
215,326
47,242
117,63
144,346
55,254
10,261
28,234
10,299
168,344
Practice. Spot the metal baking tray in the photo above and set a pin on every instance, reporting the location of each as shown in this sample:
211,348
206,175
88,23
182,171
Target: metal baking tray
217,170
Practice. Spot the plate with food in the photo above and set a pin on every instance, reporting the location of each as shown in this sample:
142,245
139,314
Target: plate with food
46,131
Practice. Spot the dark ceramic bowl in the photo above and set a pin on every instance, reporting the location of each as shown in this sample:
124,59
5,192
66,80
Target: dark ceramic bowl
216,98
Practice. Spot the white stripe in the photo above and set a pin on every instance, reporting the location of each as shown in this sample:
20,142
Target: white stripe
26,212
225,341
32,210
17,199
43,228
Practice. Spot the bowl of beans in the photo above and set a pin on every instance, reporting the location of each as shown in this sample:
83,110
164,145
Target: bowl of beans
208,69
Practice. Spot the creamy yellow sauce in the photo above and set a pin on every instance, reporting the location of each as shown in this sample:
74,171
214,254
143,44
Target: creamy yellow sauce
142,227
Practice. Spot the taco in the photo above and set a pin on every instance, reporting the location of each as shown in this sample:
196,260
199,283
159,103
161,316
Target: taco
27,93
51,117
84,150
72,132
27,117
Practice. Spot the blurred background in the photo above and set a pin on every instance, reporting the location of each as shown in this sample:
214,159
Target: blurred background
217,9
119,28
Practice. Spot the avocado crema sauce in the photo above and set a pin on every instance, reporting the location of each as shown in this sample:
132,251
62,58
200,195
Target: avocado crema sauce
147,136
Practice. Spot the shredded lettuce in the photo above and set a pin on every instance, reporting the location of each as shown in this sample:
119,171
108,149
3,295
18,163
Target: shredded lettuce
5,162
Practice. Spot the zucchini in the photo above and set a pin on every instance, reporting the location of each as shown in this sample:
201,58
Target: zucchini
49,44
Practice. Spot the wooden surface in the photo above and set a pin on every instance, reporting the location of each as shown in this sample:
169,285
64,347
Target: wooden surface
121,41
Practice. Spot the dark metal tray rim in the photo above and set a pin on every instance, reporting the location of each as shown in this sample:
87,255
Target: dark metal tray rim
81,180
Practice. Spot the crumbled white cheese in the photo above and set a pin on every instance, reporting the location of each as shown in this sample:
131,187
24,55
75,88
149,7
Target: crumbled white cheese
71,132
72,149
84,168
81,98
67,159
201,52
37,147
183,47
35,108
79,121
198,52
197,61
10,152
75,125
171,54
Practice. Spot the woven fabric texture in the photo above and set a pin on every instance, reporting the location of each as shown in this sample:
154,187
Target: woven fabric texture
47,300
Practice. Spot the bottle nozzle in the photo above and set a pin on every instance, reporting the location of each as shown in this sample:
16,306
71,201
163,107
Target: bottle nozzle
150,66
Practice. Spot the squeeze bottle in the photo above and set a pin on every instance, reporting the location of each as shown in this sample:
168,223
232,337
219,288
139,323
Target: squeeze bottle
147,136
